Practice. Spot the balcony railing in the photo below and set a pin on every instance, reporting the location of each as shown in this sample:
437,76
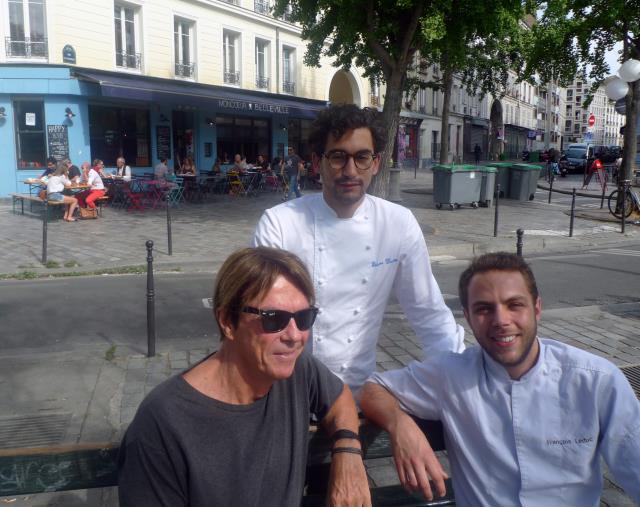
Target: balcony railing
129,60
185,69
261,6
262,83
231,77
374,100
26,48
288,87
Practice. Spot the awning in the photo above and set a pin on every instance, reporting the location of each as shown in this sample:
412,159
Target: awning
221,98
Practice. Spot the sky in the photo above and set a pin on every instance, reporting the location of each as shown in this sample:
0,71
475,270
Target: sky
612,58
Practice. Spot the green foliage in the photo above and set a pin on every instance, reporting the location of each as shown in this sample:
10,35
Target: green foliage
52,264
71,264
110,353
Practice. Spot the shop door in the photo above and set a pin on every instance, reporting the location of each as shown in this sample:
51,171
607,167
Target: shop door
183,137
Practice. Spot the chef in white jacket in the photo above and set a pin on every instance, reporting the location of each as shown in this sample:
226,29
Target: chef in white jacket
358,249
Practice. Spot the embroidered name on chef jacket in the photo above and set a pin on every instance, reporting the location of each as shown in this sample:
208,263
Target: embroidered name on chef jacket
568,441
388,260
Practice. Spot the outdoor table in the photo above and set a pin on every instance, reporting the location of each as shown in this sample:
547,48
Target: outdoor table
34,182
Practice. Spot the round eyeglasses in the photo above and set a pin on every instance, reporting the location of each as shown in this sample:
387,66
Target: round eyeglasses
339,159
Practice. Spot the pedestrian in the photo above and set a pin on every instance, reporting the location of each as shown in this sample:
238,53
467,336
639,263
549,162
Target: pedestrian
595,166
291,171
536,413
477,152
359,249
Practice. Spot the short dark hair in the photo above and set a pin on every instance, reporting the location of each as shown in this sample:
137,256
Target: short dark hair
51,160
498,261
339,119
250,274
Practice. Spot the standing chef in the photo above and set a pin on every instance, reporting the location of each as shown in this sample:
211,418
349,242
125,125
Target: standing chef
358,249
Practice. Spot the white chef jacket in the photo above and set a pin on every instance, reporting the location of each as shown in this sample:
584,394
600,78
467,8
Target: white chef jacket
536,441
355,263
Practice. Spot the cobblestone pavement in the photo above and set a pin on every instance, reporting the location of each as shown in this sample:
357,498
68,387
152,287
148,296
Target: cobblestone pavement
101,395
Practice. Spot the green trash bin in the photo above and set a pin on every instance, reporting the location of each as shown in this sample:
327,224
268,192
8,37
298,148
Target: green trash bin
534,156
488,185
523,181
455,185
502,177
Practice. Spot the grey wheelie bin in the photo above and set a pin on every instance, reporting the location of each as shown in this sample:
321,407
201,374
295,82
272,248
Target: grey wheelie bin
502,177
488,185
454,185
523,181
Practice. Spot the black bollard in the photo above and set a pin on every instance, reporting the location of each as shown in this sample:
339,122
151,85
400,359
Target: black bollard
169,236
519,233
604,188
573,212
551,178
495,217
44,232
151,311
624,205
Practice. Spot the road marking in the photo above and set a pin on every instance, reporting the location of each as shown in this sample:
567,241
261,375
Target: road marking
619,251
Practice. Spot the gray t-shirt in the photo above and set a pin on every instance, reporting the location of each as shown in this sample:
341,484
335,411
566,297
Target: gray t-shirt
185,448
291,165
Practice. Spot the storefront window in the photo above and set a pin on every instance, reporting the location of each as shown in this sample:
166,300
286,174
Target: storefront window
119,132
30,136
246,136
298,135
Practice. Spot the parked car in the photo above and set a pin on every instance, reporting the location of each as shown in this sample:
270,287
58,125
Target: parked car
576,158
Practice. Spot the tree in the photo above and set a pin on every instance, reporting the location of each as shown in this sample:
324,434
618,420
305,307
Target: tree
574,35
383,37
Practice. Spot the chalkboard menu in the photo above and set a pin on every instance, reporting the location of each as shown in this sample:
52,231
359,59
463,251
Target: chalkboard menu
163,142
58,141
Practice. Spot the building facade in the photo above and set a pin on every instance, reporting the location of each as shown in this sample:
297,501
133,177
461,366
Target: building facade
156,79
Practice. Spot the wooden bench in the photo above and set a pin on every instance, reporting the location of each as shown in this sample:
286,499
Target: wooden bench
84,466
21,198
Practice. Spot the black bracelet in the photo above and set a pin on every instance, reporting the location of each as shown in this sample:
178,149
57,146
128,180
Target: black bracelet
347,434
350,450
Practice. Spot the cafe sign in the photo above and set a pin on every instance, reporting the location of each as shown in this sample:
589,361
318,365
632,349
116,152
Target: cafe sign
251,107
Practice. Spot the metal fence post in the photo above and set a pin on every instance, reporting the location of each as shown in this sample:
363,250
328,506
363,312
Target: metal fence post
519,233
151,312
495,217
44,232
551,178
169,235
624,205
573,211
604,187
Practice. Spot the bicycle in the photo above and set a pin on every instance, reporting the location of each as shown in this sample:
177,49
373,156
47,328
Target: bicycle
631,202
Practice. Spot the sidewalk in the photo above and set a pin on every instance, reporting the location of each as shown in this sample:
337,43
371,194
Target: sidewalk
75,396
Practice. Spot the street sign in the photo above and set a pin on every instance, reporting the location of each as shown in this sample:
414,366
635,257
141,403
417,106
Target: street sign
592,120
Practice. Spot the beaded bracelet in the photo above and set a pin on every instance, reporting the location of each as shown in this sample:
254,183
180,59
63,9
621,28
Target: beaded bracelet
350,450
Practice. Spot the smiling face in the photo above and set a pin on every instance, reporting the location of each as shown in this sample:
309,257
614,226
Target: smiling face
504,318
344,189
262,357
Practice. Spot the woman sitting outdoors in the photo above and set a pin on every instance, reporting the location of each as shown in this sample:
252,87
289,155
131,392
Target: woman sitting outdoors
90,176
188,167
57,182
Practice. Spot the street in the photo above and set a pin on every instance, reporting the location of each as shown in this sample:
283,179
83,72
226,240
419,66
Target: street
95,313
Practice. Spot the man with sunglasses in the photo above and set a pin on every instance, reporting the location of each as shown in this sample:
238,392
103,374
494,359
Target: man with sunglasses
358,249
233,429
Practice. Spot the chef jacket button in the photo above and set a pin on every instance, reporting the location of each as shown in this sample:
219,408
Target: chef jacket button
319,310
318,339
356,311
321,248
366,217
350,339
368,247
365,280
343,367
320,282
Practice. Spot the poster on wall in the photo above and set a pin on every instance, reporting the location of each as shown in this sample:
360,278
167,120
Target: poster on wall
58,141
30,119
163,142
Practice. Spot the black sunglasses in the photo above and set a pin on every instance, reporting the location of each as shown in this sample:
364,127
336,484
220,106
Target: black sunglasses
276,320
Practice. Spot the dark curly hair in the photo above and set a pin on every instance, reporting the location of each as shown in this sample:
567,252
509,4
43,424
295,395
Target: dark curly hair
338,119
498,261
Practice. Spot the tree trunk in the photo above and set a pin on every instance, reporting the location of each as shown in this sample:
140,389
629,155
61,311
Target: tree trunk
447,82
631,131
391,113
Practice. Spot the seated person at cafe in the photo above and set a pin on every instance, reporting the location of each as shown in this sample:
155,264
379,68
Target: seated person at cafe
90,176
216,169
239,164
262,164
75,175
56,184
161,170
122,169
233,429
188,167
51,167
527,419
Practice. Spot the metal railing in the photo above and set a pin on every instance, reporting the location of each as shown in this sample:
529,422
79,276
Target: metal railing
262,82
185,69
231,77
261,6
288,87
129,60
26,48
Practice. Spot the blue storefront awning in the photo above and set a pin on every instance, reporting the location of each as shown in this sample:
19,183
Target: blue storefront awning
219,98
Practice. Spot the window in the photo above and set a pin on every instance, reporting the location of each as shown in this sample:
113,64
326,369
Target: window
434,102
261,6
31,146
288,70
183,47
127,46
119,132
246,136
231,48
27,37
262,64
